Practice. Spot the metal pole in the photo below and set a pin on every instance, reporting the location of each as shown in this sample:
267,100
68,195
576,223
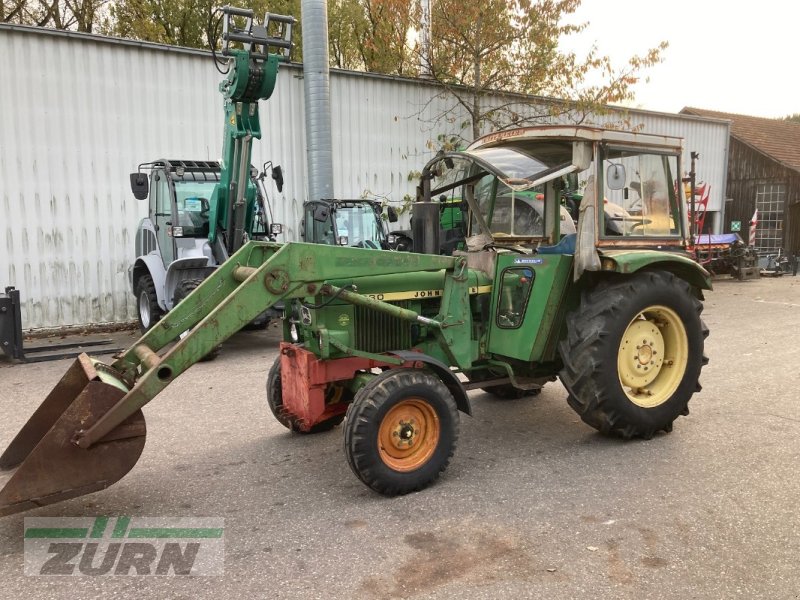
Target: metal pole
693,178
316,85
425,45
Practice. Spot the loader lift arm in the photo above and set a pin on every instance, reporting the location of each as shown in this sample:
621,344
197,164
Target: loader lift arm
90,431
251,281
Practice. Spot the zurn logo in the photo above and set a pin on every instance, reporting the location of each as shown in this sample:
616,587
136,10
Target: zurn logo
103,546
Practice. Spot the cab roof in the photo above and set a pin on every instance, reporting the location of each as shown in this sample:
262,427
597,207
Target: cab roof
525,137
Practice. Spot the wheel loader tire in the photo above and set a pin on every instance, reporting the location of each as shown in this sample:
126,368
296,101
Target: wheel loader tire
509,392
183,289
147,309
275,402
633,354
401,431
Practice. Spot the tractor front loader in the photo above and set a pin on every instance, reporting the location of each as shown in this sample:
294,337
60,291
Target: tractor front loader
391,342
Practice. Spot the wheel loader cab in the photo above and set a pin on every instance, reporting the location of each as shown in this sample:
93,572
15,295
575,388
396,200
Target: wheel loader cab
162,214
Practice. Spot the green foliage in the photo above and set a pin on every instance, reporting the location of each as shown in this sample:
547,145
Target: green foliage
190,23
372,35
794,118
76,15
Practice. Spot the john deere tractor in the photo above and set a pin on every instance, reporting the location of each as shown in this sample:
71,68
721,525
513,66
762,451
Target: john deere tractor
391,342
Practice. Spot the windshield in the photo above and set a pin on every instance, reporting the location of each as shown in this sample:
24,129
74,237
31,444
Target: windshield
504,186
359,223
519,167
192,203
509,212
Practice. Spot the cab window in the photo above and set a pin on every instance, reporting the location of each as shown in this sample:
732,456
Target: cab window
639,194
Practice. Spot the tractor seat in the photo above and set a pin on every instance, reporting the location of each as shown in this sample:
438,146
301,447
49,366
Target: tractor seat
565,246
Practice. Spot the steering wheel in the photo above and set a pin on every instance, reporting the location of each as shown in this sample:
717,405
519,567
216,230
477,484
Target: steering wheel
206,207
641,224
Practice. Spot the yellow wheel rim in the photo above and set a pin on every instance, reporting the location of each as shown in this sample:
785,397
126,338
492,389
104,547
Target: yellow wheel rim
652,357
408,435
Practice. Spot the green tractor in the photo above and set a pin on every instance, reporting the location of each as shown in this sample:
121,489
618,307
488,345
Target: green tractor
391,342
358,223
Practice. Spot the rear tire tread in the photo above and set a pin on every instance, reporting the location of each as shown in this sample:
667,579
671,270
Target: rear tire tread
584,353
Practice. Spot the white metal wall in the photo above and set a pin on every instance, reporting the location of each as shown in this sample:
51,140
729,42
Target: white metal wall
78,113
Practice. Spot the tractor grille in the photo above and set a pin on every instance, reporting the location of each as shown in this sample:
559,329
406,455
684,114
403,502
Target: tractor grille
379,332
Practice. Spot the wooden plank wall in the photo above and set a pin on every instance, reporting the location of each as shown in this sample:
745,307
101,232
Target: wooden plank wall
746,169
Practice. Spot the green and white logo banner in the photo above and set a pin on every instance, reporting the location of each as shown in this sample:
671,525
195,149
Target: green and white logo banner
126,546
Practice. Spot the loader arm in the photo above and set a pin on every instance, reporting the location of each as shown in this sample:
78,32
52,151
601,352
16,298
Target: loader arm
90,431
251,281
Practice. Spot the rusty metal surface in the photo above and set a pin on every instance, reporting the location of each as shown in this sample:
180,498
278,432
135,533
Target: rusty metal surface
42,465
74,380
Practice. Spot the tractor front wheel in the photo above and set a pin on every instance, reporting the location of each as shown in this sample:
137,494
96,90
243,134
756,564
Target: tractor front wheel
401,431
633,354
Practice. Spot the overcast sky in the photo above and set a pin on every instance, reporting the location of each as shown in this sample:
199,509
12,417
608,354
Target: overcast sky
729,56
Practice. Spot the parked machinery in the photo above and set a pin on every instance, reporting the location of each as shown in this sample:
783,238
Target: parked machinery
200,212
359,223
392,341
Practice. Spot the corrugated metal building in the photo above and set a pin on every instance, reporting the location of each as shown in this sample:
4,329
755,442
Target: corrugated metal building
79,112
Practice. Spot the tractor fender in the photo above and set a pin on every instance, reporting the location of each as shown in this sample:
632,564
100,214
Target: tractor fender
631,261
445,374
150,264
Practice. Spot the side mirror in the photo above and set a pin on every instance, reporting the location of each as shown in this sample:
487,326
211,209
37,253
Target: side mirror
321,213
277,176
615,176
139,185
392,214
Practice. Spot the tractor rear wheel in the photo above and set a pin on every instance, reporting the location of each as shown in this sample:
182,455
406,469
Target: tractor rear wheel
183,289
147,308
275,402
401,431
633,354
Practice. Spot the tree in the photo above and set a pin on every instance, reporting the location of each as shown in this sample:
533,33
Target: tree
794,118
504,48
190,23
76,15
372,35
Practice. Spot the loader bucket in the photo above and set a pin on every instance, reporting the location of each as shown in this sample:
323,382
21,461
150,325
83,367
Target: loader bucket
42,465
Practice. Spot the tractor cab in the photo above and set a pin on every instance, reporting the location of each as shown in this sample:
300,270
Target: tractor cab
528,189
355,223
188,229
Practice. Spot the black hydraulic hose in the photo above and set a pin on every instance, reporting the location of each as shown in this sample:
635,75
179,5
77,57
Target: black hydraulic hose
325,303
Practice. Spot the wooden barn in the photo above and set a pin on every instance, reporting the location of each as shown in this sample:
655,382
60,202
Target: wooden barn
763,174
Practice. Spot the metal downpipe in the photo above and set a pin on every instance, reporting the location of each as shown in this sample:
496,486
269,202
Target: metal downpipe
316,83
